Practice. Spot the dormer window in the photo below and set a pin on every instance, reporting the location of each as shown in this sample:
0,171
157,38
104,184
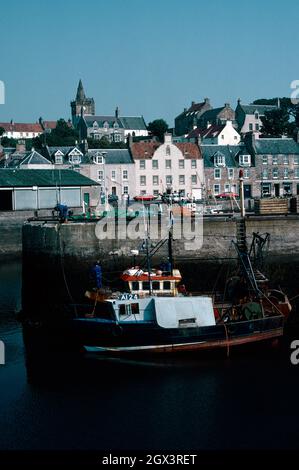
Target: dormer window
106,125
219,160
245,160
256,115
75,159
98,159
115,125
167,150
95,125
58,159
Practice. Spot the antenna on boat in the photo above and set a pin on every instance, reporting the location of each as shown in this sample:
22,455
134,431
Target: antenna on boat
148,258
170,240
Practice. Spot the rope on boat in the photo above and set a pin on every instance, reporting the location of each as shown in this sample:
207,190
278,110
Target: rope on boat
63,270
227,340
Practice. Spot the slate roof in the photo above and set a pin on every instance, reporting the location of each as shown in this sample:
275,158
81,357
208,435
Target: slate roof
230,152
17,159
275,146
261,108
113,156
46,178
211,114
194,108
206,133
64,149
124,122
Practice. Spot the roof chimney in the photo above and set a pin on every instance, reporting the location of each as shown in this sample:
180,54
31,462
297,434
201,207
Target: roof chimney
192,103
207,100
227,105
239,100
116,112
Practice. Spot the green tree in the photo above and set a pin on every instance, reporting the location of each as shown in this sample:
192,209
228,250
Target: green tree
2,131
63,134
158,127
277,123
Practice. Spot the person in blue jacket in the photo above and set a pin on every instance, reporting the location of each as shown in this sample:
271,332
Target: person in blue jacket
97,274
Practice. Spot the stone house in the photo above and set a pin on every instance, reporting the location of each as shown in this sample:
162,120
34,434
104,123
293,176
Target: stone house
185,121
276,163
248,117
217,116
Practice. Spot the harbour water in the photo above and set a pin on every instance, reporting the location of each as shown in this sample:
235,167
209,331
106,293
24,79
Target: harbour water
183,403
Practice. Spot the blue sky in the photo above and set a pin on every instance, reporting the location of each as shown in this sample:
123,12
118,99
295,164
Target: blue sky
147,57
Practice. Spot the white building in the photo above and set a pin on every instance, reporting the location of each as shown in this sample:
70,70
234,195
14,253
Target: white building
224,134
169,166
21,130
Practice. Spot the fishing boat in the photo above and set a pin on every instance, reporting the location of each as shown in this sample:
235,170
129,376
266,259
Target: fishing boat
155,313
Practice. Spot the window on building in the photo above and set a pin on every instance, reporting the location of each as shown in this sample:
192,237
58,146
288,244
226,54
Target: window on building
106,125
296,173
113,175
117,137
98,159
143,192
181,180
142,164
265,174
193,179
245,160
285,172
250,126
182,193
155,164
100,175
168,179
265,159
58,159
217,173
266,189
75,159
181,164
167,150
156,192
275,173
287,189
155,180
193,164
274,160
285,159
125,174
257,127
296,159
219,160
142,180
246,173
126,189
216,189
168,164
222,136
256,115
227,188
230,173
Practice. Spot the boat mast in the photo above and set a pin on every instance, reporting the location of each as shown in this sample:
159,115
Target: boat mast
148,258
170,240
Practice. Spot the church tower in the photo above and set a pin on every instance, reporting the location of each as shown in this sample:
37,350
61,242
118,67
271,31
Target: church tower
81,104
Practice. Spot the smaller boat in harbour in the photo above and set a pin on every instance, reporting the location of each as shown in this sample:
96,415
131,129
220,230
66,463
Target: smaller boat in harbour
155,313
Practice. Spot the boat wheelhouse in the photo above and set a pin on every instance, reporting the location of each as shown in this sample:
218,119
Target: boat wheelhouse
157,282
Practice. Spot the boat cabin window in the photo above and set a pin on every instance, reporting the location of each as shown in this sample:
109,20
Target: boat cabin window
146,285
156,285
129,309
135,285
166,285
122,309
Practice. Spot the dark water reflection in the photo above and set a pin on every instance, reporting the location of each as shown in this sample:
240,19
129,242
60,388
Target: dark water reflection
190,402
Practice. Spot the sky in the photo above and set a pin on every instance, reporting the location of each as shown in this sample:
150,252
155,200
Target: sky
149,58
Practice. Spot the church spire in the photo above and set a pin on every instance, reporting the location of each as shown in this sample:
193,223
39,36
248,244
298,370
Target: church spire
80,92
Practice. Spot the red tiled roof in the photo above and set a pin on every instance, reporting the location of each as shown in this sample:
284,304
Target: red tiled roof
208,132
21,127
189,150
143,150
